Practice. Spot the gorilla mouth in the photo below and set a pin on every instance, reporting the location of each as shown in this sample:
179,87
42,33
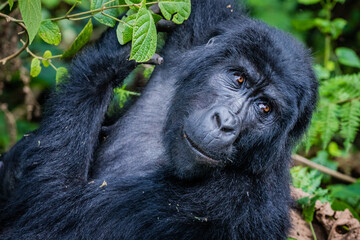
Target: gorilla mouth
201,153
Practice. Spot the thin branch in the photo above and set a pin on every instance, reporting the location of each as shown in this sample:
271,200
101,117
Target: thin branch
72,8
118,20
25,45
156,59
301,160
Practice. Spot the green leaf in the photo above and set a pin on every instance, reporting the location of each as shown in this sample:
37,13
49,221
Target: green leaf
80,41
123,95
176,10
346,192
50,32
50,3
336,27
35,67
31,14
47,55
338,205
96,4
130,2
303,24
124,31
321,72
11,4
61,73
347,57
323,25
144,36
308,206
308,2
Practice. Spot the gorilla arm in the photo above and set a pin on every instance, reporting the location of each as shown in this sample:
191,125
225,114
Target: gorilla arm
63,145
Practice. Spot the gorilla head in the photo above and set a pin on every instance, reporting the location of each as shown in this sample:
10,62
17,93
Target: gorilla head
243,100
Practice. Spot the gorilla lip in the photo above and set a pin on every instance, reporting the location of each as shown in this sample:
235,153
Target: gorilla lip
198,151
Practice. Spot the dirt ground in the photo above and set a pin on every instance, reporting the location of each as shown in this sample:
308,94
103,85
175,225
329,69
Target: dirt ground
328,224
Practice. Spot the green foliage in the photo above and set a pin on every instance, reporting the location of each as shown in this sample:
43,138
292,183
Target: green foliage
309,181
338,111
346,196
35,67
50,32
347,57
31,13
95,4
61,73
308,2
47,55
124,30
11,3
176,10
144,36
80,41
123,95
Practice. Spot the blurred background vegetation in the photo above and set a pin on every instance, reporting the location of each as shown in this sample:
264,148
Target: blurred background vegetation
330,28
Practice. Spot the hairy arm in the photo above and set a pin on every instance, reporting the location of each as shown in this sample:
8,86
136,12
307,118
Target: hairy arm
63,146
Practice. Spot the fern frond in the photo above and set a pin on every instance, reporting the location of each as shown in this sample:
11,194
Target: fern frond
350,121
329,122
341,88
311,136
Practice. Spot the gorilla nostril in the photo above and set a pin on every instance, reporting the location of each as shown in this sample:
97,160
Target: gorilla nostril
224,119
218,120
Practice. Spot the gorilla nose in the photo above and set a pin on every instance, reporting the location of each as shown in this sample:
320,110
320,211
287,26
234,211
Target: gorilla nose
225,120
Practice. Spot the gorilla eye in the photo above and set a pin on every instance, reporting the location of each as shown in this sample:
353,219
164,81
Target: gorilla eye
239,78
264,107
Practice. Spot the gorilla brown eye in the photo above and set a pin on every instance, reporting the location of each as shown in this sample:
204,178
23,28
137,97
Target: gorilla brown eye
264,107
239,78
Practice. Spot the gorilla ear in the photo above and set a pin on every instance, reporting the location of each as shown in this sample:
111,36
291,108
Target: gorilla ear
308,105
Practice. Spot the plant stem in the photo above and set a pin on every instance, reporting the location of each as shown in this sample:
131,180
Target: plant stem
327,51
312,231
118,20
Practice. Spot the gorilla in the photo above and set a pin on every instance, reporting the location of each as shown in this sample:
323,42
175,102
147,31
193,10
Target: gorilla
204,153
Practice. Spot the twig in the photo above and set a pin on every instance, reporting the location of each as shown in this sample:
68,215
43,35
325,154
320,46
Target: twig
301,160
156,59
25,45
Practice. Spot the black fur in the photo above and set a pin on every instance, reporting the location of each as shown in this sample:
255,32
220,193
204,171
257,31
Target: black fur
157,187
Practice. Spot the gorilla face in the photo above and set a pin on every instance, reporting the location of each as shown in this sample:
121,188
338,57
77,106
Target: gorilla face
251,95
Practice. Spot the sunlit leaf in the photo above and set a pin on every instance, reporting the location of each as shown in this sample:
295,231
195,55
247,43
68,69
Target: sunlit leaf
124,31
80,41
11,4
50,32
144,36
176,10
47,54
131,2
31,14
61,73
96,4
35,68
